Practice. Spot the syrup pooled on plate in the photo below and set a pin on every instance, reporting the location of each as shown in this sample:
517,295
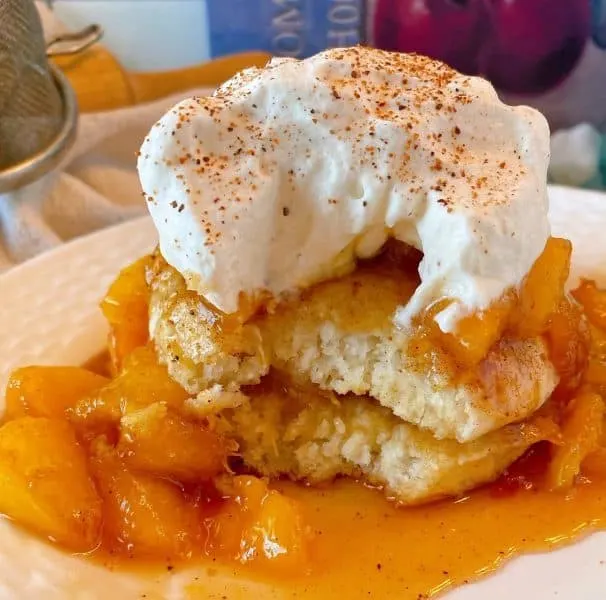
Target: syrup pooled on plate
368,548
148,482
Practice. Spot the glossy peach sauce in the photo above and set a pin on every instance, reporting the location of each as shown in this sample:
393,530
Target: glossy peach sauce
366,547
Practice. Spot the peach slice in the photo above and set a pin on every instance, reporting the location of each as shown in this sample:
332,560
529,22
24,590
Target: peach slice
593,301
141,383
261,525
45,484
158,441
476,334
581,433
543,288
568,341
48,391
126,307
144,516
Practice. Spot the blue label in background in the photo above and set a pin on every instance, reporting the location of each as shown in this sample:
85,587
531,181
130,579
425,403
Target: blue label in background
296,28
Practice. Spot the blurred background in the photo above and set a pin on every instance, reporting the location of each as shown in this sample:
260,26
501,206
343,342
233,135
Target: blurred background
550,54
145,35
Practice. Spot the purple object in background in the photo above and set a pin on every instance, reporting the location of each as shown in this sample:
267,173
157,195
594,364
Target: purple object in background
522,46
550,54
450,30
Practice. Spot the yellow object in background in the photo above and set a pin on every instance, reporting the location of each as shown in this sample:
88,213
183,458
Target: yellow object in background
101,83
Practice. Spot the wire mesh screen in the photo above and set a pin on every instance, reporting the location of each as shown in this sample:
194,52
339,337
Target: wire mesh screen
30,103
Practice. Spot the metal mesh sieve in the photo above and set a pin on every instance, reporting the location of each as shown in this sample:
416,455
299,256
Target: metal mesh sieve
38,111
31,106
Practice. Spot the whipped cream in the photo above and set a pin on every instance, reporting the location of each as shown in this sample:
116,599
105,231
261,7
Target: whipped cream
288,174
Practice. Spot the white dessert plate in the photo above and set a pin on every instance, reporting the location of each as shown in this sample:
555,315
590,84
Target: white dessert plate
49,315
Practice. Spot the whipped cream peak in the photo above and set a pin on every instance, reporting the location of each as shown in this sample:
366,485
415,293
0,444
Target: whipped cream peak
289,174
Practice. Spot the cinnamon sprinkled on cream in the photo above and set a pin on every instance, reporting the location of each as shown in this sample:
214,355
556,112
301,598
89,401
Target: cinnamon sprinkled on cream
289,173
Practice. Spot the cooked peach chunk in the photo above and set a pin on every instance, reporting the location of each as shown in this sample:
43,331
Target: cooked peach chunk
476,334
142,382
45,484
593,300
543,288
158,441
48,391
568,340
125,307
581,433
259,524
278,534
144,516
242,496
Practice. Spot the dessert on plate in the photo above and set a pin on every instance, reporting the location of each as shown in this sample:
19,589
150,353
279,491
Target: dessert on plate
380,280
355,280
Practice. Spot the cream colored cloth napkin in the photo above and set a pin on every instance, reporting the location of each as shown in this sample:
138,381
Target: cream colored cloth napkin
96,187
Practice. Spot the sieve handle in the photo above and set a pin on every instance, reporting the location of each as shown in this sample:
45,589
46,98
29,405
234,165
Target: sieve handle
101,83
68,44
151,86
